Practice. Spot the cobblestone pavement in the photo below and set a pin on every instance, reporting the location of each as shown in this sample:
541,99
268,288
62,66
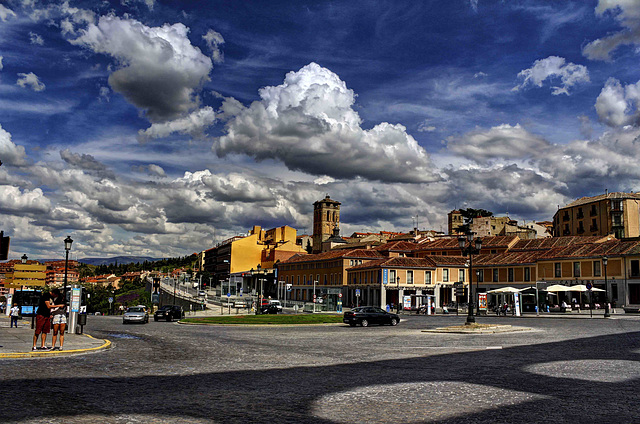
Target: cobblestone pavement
563,370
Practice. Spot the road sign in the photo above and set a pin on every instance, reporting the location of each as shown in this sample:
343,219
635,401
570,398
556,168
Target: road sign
110,300
358,292
228,294
589,286
289,287
458,284
340,295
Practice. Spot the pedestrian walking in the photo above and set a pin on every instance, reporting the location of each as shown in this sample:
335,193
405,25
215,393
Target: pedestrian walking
58,318
15,315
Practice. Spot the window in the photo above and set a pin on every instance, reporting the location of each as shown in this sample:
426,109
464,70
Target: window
480,275
576,269
635,268
461,275
392,276
298,280
445,275
527,274
494,251
365,278
510,275
495,275
596,269
557,270
409,277
318,278
427,277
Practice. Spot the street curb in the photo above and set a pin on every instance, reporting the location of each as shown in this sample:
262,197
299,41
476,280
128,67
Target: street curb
36,354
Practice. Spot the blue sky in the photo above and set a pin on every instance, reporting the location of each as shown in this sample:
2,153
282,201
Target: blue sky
158,128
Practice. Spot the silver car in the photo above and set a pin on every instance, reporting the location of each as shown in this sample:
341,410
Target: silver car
135,314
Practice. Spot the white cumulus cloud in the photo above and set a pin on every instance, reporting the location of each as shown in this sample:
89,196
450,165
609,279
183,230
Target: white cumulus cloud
36,39
193,124
500,142
159,69
214,40
309,124
30,80
5,13
553,68
617,105
10,153
627,13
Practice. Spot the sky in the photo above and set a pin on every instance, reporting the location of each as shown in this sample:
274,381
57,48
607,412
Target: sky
160,128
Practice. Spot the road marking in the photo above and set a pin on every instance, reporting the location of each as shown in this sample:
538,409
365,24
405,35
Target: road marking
494,347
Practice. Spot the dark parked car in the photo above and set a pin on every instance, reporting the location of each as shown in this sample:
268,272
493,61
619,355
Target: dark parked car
169,313
365,315
270,309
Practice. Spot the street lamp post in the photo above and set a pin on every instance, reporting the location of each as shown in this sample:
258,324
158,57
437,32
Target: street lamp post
314,296
67,247
477,293
398,287
605,260
467,248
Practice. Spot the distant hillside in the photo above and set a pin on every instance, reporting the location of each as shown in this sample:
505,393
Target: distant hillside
120,260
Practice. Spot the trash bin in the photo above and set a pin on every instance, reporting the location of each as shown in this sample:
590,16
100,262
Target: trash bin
82,321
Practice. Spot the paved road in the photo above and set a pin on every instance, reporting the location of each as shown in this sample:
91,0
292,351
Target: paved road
564,370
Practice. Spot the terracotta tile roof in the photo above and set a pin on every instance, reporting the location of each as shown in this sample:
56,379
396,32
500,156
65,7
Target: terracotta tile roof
551,242
334,254
594,250
507,258
395,263
587,200
397,246
452,243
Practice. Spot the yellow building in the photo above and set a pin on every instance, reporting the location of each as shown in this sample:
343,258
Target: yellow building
609,213
26,275
242,254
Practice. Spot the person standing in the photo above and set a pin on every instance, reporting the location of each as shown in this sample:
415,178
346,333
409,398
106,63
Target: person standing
58,318
15,315
43,321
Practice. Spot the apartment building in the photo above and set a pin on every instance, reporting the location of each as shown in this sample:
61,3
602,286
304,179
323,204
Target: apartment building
609,213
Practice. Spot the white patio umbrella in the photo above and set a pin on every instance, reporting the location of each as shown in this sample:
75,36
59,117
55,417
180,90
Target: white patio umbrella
557,288
505,290
583,288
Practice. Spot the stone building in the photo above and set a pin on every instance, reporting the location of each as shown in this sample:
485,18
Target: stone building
326,217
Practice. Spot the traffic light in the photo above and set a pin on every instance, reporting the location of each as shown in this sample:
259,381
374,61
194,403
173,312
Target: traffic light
4,246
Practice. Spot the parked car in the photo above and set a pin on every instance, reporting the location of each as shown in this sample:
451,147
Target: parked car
202,293
277,304
135,314
169,313
365,315
270,309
